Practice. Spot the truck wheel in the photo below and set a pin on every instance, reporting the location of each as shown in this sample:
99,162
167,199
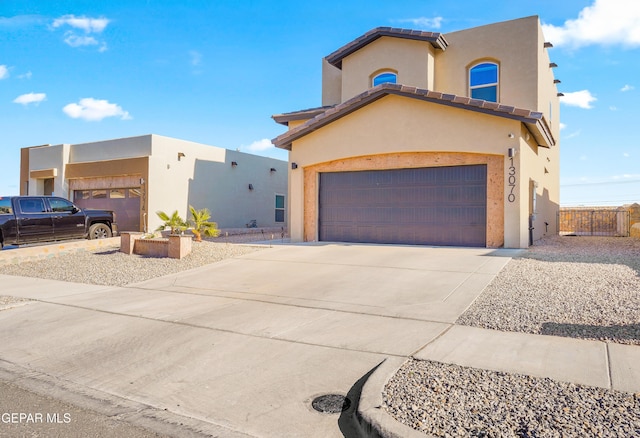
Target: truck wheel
99,231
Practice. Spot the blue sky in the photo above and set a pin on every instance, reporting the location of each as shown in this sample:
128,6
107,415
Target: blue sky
214,72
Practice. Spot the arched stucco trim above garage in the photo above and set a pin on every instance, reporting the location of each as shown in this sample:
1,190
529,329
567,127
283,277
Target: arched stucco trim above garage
495,183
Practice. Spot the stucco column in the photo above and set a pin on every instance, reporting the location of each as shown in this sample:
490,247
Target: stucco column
296,199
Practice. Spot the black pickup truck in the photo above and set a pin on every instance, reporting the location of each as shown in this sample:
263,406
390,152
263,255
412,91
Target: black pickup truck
28,219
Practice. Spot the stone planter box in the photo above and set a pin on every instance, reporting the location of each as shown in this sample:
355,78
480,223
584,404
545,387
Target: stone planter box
175,247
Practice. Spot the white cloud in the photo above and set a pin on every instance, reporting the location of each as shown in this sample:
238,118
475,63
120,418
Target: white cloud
89,25
4,72
583,158
572,135
626,155
26,99
613,108
91,109
74,40
260,145
627,87
625,176
562,126
27,75
423,22
19,21
605,22
196,57
581,99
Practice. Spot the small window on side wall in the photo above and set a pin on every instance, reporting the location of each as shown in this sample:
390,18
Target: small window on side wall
483,81
279,208
385,77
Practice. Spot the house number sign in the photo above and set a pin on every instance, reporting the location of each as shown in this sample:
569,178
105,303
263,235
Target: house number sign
512,181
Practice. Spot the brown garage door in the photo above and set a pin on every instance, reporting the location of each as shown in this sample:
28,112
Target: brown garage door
124,202
432,206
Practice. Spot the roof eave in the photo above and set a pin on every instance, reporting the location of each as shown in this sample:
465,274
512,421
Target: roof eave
307,114
436,39
533,120
541,133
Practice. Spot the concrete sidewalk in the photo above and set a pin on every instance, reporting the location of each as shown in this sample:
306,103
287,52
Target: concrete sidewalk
241,347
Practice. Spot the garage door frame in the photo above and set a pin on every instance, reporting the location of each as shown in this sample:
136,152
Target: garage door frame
397,160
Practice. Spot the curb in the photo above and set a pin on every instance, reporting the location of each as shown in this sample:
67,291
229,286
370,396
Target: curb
155,419
372,419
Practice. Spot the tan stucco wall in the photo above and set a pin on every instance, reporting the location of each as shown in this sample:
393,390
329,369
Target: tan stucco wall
402,124
512,44
517,46
542,166
331,84
495,177
426,132
411,60
48,158
205,178
24,171
130,147
548,100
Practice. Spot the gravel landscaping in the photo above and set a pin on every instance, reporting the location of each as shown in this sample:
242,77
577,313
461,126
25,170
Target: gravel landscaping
452,401
110,267
580,287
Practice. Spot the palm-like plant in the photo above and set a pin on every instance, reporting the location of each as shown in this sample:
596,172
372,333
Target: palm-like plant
201,224
175,222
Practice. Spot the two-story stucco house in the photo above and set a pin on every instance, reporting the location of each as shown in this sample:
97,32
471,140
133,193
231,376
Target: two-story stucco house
427,138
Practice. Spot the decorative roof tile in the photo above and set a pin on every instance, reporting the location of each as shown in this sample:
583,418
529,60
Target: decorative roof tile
305,114
436,39
534,120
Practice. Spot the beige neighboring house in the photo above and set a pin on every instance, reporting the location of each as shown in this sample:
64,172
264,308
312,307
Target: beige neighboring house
138,176
429,138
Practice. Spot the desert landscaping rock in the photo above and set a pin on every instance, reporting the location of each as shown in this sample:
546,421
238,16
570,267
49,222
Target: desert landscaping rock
580,287
6,301
449,400
110,267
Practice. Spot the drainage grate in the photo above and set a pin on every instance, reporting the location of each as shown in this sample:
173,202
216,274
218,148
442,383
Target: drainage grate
331,403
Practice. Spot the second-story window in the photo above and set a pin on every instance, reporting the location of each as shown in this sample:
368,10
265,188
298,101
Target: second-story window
483,81
385,77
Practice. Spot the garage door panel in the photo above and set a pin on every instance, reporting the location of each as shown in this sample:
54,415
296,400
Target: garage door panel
124,202
440,205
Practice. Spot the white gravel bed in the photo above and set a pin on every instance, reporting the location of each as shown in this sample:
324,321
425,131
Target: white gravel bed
580,287
112,268
453,401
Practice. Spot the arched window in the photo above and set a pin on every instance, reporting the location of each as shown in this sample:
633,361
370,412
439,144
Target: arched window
483,81
386,77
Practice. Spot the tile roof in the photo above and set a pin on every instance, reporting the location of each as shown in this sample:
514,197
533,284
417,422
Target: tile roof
304,114
534,120
436,39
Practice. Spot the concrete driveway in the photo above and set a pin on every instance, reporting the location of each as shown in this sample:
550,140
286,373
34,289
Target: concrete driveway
242,346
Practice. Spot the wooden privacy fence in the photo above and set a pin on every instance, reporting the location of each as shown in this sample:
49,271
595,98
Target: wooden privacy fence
593,222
